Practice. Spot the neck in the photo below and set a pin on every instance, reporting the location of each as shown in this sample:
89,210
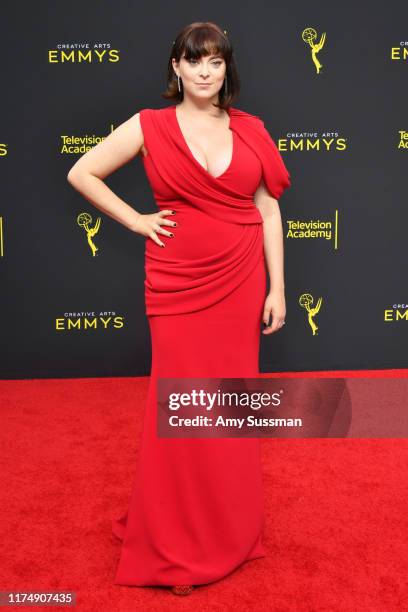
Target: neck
199,108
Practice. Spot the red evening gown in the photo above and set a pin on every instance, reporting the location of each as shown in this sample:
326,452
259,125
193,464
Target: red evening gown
196,508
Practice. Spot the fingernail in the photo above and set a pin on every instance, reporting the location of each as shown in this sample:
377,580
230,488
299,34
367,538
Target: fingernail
174,224
173,212
162,245
171,234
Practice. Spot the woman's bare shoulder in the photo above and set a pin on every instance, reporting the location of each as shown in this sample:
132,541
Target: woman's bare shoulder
117,148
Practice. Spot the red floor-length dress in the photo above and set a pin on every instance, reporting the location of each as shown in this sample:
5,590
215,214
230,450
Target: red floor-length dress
196,509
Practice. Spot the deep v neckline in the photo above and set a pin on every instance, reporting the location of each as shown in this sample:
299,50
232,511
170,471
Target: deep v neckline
189,152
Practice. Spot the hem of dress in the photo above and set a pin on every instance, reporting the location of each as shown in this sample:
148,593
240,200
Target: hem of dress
256,552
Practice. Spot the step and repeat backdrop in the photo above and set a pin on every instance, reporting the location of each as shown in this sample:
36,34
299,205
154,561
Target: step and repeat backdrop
329,82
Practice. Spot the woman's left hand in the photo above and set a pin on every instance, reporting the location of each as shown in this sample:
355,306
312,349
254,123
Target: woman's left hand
274,306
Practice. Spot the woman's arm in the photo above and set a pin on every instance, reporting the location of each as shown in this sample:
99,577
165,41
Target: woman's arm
274,256
87,175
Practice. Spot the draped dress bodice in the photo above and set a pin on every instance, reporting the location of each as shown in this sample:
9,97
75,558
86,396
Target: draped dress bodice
219,237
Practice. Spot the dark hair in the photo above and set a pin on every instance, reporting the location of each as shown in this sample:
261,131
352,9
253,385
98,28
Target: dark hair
198,39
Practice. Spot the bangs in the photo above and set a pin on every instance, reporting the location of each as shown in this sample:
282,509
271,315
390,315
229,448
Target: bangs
205,41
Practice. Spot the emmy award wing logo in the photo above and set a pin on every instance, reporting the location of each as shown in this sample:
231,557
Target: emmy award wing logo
309,36
306,301
84,220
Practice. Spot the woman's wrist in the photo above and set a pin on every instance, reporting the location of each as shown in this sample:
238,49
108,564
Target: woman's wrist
133,221
277,289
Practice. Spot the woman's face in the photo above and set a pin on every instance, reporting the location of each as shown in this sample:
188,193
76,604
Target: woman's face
201,77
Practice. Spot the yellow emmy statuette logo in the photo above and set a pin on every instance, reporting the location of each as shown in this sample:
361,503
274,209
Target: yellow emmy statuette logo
306,301
309,35
84,220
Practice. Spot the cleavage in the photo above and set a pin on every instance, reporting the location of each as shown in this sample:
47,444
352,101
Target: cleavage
219,152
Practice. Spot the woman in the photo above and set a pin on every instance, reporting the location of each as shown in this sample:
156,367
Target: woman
196,510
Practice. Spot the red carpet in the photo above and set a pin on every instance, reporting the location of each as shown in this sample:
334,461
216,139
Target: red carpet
337,518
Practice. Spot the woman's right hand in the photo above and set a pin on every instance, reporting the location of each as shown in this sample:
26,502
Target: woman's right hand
150,225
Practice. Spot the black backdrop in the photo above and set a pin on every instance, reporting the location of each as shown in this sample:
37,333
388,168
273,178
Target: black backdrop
340,133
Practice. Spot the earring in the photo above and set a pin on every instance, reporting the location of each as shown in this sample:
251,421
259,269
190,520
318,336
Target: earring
178,82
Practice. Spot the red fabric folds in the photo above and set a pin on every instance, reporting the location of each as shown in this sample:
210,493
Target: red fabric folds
175,281
252,130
